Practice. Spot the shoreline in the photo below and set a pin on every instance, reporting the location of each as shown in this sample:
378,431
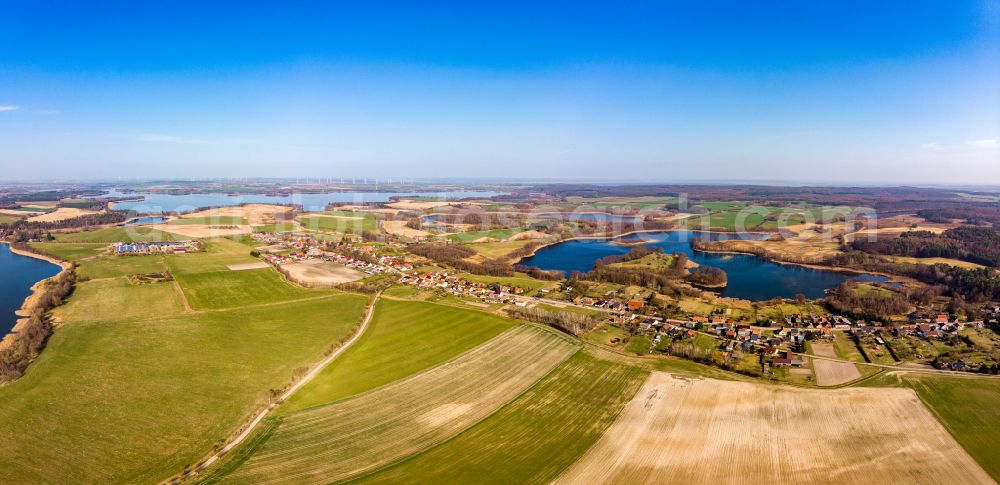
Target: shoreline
29,303
838,269
618,236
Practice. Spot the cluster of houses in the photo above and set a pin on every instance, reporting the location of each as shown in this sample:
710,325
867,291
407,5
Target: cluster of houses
156,247
488,293
302,247
932,330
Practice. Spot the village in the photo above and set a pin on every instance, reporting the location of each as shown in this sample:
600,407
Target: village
778,344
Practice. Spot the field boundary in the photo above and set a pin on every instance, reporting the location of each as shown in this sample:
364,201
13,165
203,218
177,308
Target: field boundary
249,429
473,425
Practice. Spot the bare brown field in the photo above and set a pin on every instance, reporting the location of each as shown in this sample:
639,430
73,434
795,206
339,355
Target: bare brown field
245,266
315,273
199,231
801,249
342,440
948,261
704,431
256,214
399,228
11,212
60,214
828,372
521,236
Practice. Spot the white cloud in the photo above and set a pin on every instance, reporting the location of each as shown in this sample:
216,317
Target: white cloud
987,143
932,146
8,108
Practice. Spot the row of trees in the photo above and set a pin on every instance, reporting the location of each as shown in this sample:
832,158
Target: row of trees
875,304
86,220
455,255
31,335
980,245
974,285
570,322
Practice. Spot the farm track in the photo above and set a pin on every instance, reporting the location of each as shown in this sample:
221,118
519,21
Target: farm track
248,430
359,435
703,431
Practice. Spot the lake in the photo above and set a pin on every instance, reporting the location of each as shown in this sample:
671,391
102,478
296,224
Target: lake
140,221
17,275
750,277
158,203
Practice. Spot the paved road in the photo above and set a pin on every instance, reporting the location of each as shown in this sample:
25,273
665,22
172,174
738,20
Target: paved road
295,387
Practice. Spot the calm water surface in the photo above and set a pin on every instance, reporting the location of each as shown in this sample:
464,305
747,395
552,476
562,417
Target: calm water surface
17,275
139,221
157,203
750,277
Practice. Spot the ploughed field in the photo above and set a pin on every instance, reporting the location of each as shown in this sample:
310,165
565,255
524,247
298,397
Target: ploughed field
679,430
141,379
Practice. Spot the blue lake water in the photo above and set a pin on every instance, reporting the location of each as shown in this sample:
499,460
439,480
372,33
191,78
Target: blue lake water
750,277
17,275
139,221
158,203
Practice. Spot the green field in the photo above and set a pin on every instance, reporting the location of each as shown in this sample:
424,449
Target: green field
149,386
71,252
112,299
339,221
967,406
356,436
208,282
232,289
534,438
404,337
494,234
283,227
519,279
135,400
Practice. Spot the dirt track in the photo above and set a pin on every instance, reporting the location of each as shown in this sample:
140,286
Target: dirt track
706,432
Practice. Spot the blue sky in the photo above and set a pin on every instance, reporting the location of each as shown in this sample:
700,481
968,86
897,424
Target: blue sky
859,92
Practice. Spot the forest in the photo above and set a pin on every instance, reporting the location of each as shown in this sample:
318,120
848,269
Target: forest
980,245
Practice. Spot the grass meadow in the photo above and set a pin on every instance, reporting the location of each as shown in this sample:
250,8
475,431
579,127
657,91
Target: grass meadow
534,438
132,387
404,338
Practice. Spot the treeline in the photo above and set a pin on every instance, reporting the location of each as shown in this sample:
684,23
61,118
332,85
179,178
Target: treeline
539,273
875,304
94,205
974,285
980,245
86,220
970,214
30,338
570,322
455,255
